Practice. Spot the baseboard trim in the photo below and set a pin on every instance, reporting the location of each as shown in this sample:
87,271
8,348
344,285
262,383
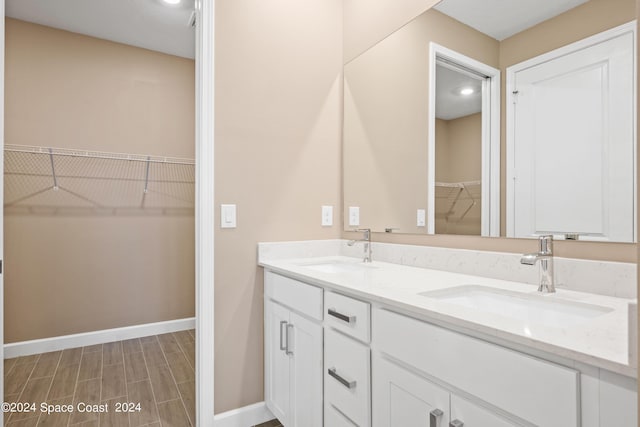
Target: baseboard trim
26,348
247,416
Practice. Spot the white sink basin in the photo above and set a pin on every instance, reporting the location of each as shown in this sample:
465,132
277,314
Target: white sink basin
533,309
338,267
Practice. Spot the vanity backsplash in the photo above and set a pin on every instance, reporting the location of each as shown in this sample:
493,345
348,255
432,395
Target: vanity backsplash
616,279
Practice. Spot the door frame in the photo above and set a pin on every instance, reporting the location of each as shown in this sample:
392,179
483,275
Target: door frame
510,116
205,212
2,208
490,206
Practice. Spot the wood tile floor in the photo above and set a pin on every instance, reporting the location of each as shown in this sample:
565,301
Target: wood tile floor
157,371
272,423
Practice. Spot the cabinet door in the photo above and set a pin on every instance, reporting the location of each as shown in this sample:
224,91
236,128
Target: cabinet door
474,416
404,399
277,376
305,341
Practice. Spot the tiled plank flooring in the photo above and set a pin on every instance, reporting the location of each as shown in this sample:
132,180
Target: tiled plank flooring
272,423
157,371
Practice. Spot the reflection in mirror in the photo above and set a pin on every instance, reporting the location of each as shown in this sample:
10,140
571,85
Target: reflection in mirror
458,133
464,128
571,162
389,165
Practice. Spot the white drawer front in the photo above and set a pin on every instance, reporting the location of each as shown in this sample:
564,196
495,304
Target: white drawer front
333,418
347,367
299,296
348,315
474,416
540,392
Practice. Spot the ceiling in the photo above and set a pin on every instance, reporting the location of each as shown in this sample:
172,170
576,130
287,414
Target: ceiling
150,24
450,104
501,19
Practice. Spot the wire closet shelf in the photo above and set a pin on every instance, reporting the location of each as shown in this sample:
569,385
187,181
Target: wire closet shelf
56,181
454,200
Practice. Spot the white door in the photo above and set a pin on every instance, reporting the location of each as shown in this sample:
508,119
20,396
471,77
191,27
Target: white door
306,372
403,399
277,395
571,158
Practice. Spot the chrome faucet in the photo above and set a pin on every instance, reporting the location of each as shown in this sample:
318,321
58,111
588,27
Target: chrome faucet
545,256
366,239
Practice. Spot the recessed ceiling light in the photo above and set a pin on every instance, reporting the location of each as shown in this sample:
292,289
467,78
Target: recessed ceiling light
465,91
172,2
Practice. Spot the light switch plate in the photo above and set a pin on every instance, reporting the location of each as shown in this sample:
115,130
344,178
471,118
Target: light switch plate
327,216
227,216
421,218
354,216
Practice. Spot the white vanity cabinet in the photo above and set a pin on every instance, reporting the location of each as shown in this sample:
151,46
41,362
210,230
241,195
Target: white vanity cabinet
293,351
338,361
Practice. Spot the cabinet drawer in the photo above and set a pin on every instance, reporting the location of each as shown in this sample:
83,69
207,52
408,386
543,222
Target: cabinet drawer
299,296
348,315
333,418
538,391
347,367
474,416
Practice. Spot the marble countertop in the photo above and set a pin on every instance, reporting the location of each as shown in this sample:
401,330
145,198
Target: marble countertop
601,341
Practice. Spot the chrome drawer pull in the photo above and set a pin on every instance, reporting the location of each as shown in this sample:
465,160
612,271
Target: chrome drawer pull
456,423
287,351
434,417
282,346
343,317
346,383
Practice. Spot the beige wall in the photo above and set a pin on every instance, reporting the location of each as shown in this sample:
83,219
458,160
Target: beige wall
278,139
462,154
65,274
385,126
73,91
458,159
588,19
366,22
573,25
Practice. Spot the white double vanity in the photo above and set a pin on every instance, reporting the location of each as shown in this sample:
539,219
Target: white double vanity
383,344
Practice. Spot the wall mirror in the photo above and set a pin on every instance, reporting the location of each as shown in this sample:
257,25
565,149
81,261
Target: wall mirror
496,119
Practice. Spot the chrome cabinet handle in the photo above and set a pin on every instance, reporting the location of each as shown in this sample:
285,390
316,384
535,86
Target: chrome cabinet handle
343,317
434,417
348,384
456,423
287,351
282,346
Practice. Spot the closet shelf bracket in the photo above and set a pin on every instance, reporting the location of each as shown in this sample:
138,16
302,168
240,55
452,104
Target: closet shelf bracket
53,171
